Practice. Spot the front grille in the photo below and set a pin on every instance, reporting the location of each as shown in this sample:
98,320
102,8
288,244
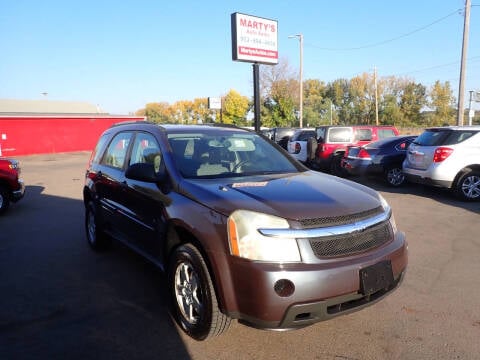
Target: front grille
352,243
340,220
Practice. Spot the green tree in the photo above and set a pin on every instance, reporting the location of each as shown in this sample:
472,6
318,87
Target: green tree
316,107
156,112
235,108
279,95
412,101
442,102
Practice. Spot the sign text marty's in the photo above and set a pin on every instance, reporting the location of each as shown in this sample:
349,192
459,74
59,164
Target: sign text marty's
254,39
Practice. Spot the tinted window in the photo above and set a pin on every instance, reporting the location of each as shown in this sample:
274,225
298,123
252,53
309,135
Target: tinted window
385,133
146,150
97,153
303,135
434,137
363,134
282,133
340,135
117,150
321,133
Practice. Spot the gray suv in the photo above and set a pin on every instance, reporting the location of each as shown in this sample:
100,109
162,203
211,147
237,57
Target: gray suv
447,157
242,230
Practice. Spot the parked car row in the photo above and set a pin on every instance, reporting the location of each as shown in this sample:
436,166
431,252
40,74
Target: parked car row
445,157
382,158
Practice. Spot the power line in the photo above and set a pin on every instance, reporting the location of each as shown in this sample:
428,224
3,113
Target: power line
389,40
437,66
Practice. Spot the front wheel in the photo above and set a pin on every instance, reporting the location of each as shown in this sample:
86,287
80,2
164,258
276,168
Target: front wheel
194,300
468,185
394,176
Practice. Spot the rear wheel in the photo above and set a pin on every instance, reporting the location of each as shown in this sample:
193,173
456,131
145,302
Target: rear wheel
4,200
468,185
96,237
394,176
194,300
336,166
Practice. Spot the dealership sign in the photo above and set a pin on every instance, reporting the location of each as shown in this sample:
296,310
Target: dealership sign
254,39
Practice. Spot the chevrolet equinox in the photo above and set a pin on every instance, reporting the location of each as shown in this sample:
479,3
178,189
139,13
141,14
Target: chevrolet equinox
241,230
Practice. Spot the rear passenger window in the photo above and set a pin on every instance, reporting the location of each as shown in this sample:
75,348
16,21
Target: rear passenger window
363,134
340,135
385,133
458,136
117,150
304,136
98,151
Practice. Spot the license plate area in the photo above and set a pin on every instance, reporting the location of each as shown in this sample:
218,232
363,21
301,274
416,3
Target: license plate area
376,277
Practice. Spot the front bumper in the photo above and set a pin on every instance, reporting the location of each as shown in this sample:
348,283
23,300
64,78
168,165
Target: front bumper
18,194
322,291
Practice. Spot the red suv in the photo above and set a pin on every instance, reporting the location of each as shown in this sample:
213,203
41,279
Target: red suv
326,151
12,187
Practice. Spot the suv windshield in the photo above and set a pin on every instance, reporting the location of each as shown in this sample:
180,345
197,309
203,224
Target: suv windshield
439,137
226,154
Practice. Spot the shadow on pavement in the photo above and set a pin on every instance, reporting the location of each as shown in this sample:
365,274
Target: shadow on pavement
62,300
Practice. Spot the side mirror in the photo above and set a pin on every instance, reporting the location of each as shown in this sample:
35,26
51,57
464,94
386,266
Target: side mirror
144,172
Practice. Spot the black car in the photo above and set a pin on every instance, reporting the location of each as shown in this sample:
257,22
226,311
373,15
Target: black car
381,158
281,135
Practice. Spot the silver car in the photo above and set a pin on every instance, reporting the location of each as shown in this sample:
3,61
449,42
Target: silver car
447,157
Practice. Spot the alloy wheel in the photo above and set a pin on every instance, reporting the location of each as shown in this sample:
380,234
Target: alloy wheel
471,187
188,292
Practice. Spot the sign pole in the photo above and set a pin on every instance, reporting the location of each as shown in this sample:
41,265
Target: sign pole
256,95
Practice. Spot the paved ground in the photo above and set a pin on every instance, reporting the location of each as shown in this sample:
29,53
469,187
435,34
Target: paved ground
60,300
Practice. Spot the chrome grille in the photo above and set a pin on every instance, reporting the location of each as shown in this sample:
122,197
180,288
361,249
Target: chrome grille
352,243
340,220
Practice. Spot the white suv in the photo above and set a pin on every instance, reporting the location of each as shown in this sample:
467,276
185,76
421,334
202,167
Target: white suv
447,157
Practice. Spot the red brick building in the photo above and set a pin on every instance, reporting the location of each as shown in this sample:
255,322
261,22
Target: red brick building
40,126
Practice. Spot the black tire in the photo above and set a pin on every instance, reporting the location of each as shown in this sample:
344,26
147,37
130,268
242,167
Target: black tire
4,200
195,305
336,166
96,237
394,176
467,187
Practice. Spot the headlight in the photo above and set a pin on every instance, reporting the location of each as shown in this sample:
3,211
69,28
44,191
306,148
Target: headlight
384,202
246,241
388,209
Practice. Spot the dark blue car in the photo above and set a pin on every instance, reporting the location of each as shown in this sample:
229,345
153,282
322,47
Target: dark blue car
381,158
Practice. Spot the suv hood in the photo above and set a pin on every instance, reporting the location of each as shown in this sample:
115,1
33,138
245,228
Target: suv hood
296,196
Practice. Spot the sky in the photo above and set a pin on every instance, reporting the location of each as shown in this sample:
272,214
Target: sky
121,55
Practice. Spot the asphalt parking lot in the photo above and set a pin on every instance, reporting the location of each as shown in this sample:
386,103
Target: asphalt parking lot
60,300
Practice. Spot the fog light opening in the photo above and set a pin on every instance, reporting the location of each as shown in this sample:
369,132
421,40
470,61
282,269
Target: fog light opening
284,288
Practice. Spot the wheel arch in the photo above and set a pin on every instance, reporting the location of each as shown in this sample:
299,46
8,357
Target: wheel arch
178,235
474,167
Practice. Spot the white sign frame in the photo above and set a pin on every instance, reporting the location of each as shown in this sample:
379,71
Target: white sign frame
254,39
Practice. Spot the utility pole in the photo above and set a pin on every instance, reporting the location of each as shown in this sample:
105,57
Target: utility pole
300,38
463,66
376,94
